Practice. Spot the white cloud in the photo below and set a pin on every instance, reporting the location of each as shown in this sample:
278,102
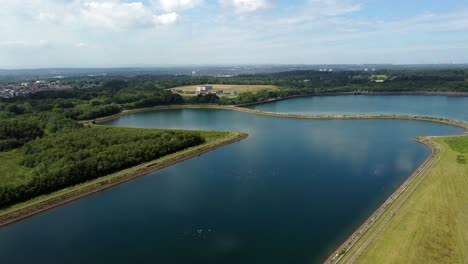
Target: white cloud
123,16
245,6
44,44
13,44
81,45
312,31
46,17
116,15
333,7
432,22
173,5
16,44
166,19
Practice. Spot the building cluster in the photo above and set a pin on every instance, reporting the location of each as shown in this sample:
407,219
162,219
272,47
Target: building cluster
209,90
204,89
20,89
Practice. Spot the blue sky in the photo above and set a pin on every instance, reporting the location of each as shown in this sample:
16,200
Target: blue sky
103,33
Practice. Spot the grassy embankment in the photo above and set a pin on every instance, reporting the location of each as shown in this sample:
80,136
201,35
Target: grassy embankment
428,222
284,115
22,210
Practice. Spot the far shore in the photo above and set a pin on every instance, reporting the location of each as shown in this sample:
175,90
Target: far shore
453,94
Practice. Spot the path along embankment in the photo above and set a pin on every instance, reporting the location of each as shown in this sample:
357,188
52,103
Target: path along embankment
378,219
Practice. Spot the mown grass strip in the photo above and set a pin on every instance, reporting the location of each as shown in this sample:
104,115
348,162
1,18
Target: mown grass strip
428,223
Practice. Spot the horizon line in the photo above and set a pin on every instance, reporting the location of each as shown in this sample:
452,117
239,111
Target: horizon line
150,66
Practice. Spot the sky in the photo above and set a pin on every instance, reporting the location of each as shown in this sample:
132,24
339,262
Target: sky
121,33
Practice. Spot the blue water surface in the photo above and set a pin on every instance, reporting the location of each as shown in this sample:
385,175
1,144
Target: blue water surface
435,106
289,193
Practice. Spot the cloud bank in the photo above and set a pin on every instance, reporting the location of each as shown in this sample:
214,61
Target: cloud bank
176,5
112,32
245,6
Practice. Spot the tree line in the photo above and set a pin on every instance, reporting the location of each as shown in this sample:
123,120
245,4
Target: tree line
62,151
115,96
74,156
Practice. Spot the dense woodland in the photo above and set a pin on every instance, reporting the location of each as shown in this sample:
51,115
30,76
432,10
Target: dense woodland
60,151
146,91
325,81
73,156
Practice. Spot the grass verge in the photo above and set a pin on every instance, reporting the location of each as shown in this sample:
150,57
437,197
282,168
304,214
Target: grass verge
427,222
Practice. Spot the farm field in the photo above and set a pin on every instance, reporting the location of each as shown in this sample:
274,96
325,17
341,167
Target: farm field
230,88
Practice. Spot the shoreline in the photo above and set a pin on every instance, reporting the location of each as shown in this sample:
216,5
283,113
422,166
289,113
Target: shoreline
406,188
105,182
67,195
448,121
345,247
271,100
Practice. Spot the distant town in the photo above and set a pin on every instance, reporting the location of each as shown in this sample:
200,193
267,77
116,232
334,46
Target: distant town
24,88
22,82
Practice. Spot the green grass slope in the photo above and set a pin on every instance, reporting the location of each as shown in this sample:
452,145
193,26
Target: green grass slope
432,225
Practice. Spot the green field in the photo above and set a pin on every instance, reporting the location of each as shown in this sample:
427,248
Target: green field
11,171
432,224
230,88
381,77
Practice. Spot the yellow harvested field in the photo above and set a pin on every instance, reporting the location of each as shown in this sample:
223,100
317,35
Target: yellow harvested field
230,88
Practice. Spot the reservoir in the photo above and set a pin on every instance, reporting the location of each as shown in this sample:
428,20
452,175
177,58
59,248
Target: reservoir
435,106
289,193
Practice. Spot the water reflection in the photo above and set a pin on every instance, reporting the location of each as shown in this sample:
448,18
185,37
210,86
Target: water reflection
436,106
287,194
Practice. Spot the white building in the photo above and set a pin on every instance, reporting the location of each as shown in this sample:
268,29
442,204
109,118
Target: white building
203,89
